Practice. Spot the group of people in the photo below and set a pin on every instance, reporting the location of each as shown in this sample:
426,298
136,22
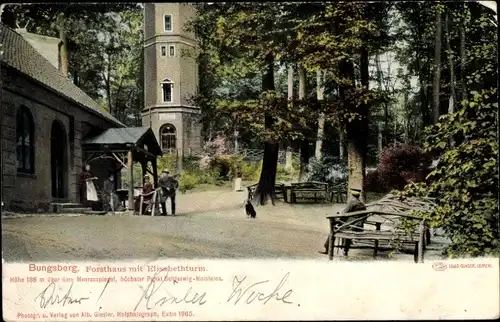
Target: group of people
89,195
168,185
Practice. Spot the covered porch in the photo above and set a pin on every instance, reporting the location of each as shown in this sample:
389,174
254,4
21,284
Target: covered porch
123,147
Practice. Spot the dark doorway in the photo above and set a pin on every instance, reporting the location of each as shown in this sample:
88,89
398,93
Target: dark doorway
58,156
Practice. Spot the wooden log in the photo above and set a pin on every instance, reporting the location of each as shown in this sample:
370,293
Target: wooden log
382,235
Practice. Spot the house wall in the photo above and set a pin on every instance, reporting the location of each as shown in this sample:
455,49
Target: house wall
34,192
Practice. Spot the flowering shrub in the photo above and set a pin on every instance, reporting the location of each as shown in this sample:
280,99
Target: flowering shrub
216,147
373,182
400,164
204,162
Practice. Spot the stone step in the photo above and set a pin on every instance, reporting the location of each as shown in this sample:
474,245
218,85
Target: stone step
80,210
64,207
94,212
66,204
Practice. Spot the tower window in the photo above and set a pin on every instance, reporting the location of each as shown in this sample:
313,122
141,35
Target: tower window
168,138
163,51
167,86
167,23
171,50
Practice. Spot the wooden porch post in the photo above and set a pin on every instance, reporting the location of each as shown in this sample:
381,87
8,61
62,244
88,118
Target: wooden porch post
115,174
155,173
130,165
144,166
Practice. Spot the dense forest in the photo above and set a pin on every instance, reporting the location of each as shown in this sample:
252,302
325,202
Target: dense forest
407,87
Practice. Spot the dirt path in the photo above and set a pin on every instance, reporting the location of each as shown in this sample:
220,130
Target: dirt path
208,225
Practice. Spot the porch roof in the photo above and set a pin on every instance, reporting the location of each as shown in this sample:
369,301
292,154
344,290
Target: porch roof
122,139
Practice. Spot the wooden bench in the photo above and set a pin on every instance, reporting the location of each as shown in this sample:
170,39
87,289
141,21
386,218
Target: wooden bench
338,192
309,191
350,231
279,189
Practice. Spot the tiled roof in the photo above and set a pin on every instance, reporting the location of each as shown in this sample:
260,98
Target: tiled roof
127,135
20,55
124,136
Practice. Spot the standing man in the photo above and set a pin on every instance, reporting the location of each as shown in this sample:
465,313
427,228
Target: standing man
110,200
168,187
353,205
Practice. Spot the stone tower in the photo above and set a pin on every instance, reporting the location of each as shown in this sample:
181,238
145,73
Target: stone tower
171,78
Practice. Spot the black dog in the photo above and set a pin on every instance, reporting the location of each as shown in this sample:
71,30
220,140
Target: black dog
250,210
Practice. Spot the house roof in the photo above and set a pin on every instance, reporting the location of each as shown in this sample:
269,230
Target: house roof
20,55
127,135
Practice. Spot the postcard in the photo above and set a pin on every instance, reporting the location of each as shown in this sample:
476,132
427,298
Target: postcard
249,161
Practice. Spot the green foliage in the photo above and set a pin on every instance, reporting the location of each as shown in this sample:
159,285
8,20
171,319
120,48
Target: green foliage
465,181
137,176
250,171
167,162
327,169
284,174
105,45
187,181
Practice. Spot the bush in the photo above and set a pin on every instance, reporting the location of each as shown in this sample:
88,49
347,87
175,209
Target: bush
169,162
284,174
465,181
250,171
373,182
400,164
224,165
187,181
327,169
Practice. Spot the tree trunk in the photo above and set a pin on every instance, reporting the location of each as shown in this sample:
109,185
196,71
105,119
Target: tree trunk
424,101
290,83
407,121
265,188
341,142
463,89
304,145
320,80
379,81
63,47
380,142
437,67
453,97
357,130
288,163
453,80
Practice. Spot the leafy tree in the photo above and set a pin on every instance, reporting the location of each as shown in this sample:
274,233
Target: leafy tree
246,41
338,35
465,181
101,49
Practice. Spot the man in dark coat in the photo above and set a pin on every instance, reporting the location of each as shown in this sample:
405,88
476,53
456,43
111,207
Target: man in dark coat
168,187
352,206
